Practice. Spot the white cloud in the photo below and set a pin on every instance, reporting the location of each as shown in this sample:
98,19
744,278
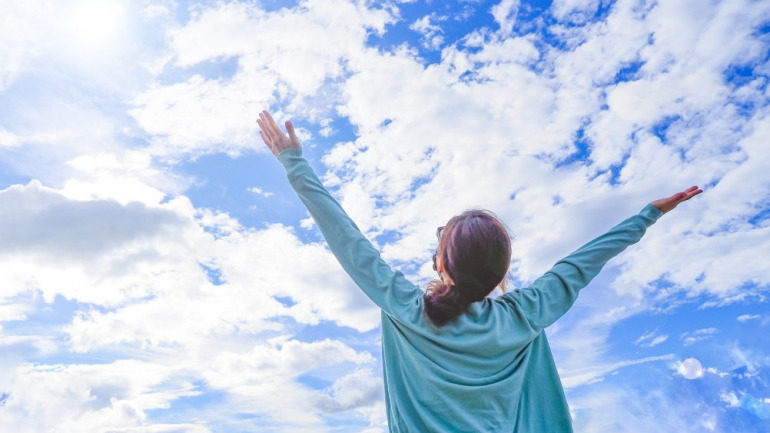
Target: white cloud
92,397
432,33
464,130
138,268
217,115
360,391
628,409
575,11
107,253
18,41
357,389
201,113
651,339
714,371
594,374
689,338
730,399
505,14
8,139
257,190
154,11
124,176
709,422
747,317
46,222
41,345
326,128
64,246
262,380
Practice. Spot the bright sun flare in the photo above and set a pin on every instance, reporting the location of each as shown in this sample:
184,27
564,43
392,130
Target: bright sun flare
95,23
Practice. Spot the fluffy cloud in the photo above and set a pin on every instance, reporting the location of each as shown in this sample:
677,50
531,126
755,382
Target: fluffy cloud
628,410
261,381
202,115
19,41
576,11
104,252
428,132
431,32
91,397
163,280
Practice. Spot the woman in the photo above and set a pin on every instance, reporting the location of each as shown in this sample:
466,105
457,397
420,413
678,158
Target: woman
455,360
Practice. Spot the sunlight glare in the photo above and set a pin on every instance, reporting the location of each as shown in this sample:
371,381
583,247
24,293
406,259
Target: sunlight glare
691,369
95,23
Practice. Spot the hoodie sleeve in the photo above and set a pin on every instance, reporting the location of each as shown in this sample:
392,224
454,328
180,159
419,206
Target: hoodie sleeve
387,288
551,295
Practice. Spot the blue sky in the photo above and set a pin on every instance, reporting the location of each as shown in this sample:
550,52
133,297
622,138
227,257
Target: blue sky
159,274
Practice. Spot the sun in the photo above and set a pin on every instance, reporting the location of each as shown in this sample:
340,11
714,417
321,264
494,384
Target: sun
95,23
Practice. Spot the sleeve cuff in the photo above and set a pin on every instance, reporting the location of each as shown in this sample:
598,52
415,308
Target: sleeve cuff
294,163
651,212
287,156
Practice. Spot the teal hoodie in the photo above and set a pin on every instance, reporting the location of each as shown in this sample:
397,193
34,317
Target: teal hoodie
489,371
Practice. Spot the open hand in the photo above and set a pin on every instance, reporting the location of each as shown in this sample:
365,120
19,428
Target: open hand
272,135
666,204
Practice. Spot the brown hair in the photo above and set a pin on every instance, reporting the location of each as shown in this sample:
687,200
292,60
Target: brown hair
474,252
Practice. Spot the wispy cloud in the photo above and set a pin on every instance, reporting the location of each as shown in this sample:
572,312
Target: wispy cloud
431,32
651,339
257,190
593,374
747,317
693,337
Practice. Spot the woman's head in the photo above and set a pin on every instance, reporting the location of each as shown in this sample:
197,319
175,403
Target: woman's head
472,258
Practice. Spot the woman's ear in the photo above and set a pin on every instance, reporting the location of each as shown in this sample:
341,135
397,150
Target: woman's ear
440,268
445,278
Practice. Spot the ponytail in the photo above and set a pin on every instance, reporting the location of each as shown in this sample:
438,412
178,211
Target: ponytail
444,302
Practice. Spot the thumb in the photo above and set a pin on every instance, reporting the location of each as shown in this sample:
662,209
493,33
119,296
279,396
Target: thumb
292,134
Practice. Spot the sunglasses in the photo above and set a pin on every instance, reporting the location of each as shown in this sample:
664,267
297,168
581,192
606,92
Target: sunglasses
438,236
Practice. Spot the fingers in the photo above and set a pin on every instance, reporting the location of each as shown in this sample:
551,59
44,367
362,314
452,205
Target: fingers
269,122
267,141
690,192
269,131
273,128
264,131
669,203
268,126
292,134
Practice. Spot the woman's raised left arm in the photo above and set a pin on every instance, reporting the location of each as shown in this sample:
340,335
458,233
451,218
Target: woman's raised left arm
386,287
